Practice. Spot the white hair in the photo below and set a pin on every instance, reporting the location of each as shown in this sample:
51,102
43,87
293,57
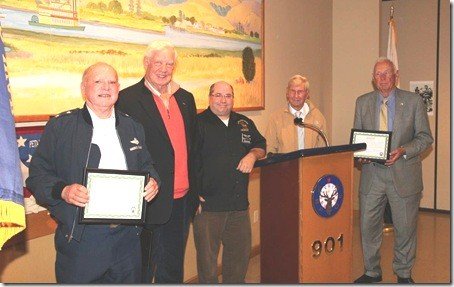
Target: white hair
298,79
159,45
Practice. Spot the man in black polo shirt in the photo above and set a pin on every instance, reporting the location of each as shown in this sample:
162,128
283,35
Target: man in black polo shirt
228,145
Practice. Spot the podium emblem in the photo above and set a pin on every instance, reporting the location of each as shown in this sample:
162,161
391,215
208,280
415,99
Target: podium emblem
327,195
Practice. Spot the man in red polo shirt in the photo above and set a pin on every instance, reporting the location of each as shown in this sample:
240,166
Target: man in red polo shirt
168,114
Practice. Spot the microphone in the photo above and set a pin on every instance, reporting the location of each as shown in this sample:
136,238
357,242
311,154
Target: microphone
299,122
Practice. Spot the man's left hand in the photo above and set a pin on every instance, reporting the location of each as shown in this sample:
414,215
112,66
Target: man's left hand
395,155
151,189
247,163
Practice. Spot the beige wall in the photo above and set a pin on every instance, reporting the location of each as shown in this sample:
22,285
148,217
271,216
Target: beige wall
417,61
417,53
297,41
31,262
355,48
443,166
333,43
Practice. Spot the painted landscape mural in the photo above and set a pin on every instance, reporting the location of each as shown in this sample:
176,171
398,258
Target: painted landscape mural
50,42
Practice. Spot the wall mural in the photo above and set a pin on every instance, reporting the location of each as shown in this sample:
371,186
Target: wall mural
50,42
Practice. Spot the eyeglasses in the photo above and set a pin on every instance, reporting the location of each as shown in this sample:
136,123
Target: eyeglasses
219,96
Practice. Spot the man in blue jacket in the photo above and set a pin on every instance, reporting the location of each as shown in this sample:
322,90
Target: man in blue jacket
95,136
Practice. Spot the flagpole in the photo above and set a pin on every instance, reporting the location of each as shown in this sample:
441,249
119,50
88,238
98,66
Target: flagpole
392,41
392,55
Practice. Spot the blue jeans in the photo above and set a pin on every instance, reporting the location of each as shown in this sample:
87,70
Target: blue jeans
163,246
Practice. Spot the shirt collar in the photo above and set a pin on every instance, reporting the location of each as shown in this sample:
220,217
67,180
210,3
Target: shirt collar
304,110
96,120
154,90
391,97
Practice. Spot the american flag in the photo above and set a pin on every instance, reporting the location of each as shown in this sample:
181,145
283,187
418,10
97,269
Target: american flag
12,215
27,142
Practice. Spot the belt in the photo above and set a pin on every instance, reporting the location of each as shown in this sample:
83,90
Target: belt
380,165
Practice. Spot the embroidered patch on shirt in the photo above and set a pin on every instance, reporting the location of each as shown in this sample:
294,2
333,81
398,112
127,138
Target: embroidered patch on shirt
244,125
135,141
246,139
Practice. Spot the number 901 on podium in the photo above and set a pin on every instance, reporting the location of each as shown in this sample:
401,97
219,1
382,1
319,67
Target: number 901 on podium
329,245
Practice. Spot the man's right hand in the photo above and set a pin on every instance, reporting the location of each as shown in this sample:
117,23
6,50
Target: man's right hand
75,194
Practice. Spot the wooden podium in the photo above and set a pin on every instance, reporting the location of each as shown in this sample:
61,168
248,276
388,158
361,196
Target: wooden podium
298,245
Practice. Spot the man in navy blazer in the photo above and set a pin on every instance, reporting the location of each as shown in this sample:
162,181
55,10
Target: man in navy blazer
168,115
399,180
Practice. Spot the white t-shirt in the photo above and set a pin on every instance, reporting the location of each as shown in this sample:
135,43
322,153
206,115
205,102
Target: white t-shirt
105,136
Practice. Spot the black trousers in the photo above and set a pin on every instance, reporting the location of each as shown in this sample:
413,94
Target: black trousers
163,246
104,255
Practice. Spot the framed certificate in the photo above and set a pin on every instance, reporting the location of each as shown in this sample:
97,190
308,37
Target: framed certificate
116,197
378,144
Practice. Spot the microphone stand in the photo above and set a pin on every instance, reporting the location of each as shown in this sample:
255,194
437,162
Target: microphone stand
299,122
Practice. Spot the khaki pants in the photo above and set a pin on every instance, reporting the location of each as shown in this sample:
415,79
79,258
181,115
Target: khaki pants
233,230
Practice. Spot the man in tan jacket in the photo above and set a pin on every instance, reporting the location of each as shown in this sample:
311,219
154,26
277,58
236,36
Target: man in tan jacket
282,135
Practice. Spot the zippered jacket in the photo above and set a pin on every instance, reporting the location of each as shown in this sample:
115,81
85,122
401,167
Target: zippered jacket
65,150
282,134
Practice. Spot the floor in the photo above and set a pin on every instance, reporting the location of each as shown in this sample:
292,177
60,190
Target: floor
433,259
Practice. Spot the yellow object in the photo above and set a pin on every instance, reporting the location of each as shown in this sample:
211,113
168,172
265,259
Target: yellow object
12,220
384,115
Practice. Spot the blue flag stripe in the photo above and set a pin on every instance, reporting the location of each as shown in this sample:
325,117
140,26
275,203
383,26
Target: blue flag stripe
10,173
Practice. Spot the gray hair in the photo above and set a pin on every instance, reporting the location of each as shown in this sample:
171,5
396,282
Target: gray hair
298,79
384,60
